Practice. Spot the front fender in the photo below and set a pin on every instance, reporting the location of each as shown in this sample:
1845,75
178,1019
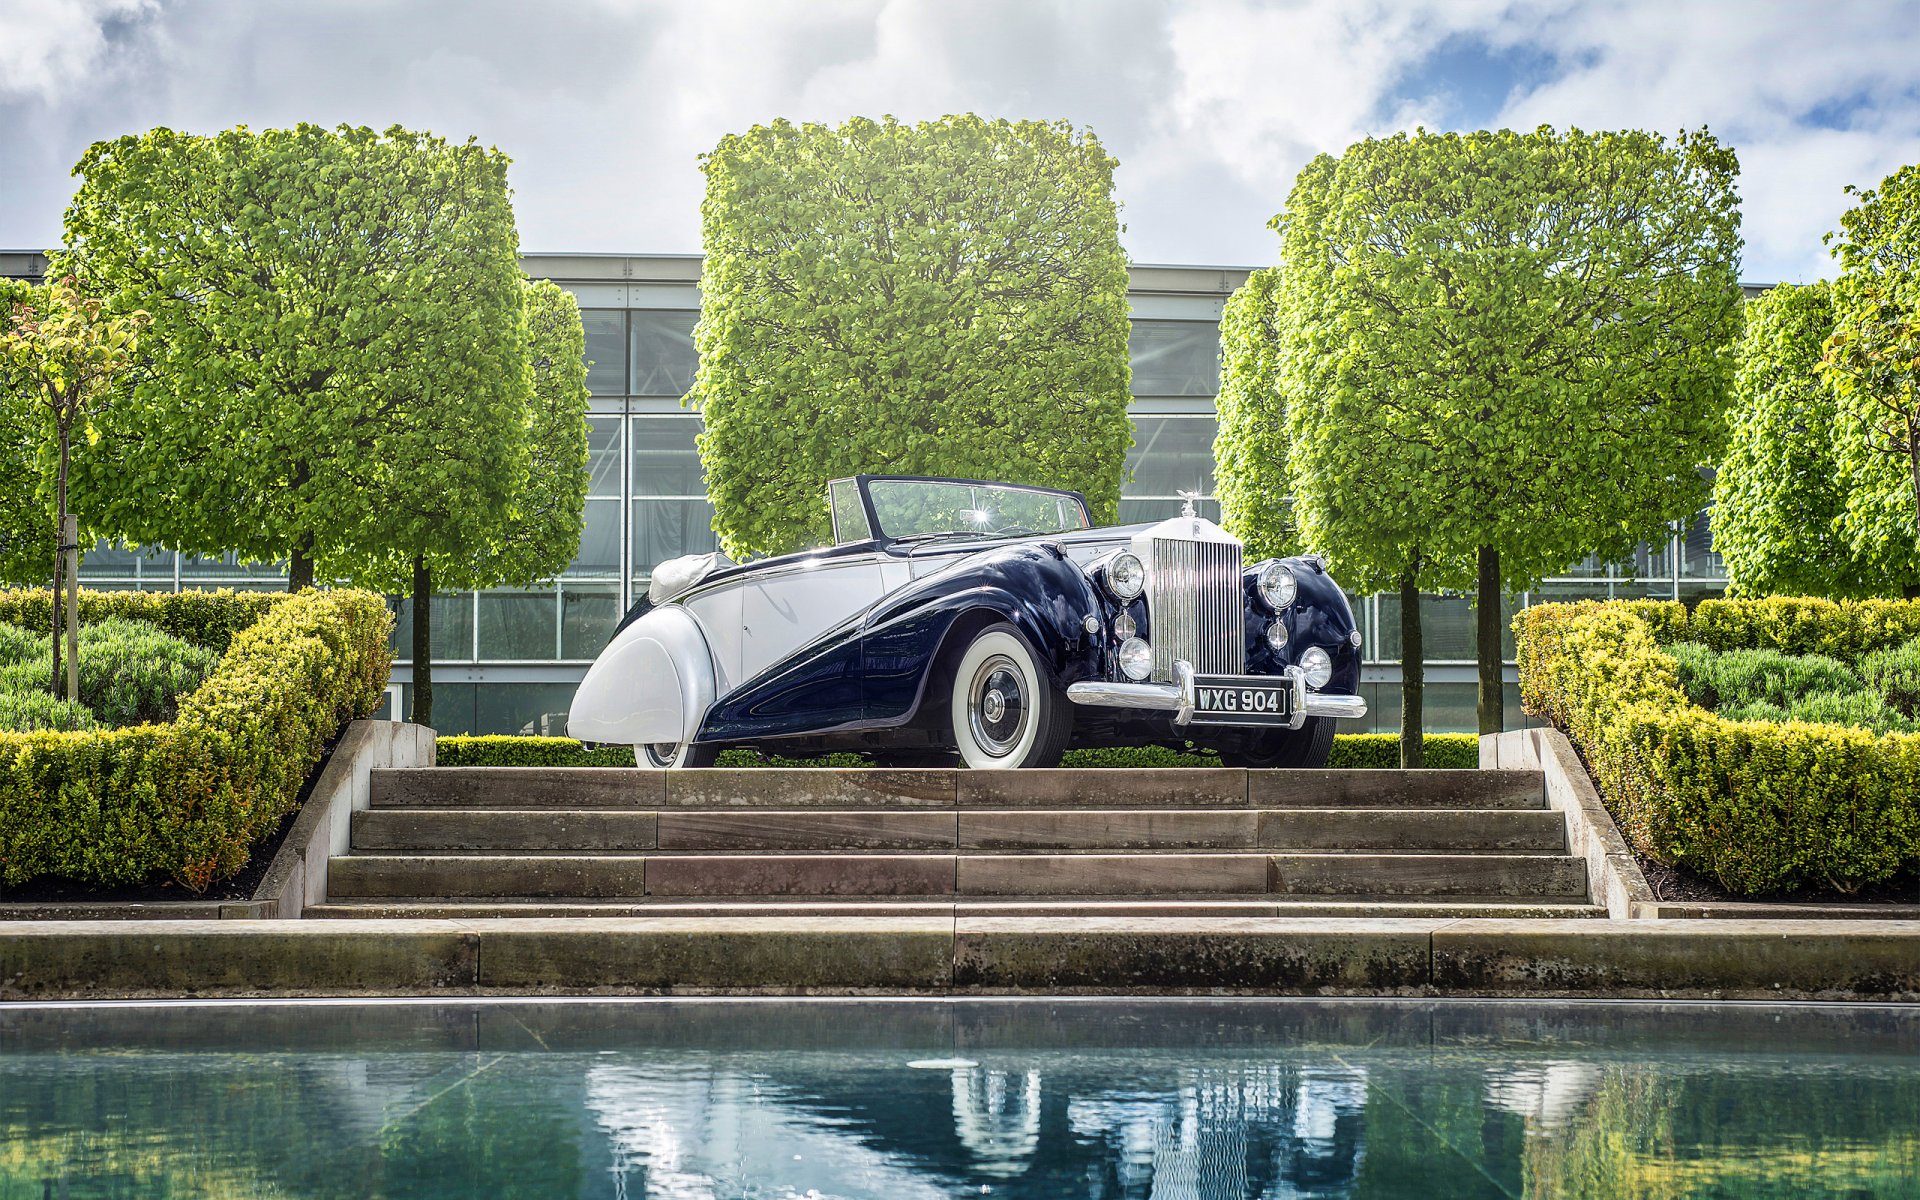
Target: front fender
653,683
1034,588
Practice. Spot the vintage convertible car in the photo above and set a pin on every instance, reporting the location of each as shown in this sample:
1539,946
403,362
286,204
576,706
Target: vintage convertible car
983,621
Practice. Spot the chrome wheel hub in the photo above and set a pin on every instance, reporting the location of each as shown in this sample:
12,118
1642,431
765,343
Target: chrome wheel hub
997,706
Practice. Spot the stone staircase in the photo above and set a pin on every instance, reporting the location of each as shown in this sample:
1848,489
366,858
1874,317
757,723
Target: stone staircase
553,842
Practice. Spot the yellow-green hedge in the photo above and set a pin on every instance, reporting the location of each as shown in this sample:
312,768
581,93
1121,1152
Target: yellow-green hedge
1759,806
187,800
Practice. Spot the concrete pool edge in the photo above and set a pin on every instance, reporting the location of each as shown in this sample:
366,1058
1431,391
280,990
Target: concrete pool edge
935,956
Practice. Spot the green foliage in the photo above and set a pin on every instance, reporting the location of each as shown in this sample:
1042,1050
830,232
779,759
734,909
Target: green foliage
496,751
1894,675
204,618
1506,339
188,800
1857,707
1725,678
132,673
1778,500
337,352
1873,362
16,642
1761,806
947,298
1381,751
28,709
26,517
1250,451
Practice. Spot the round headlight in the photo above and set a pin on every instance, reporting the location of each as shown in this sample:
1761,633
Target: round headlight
1318,666
1126,576
1136,658
1277,635
1278,587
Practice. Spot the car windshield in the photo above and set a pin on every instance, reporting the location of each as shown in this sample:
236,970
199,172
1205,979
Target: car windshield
928,507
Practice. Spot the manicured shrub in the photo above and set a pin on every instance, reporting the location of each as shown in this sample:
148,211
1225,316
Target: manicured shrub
24,675
493,751
29,710
1760,806
187,800
1894,673
205,618
132,673
1381,751
17,645
1721,679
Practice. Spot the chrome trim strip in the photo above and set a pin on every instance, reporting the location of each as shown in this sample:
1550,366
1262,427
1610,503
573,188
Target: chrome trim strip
1178,698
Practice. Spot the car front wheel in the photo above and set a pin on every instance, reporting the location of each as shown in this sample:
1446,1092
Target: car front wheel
1006,712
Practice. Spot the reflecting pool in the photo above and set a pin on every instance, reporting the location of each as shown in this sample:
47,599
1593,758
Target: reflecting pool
898,1100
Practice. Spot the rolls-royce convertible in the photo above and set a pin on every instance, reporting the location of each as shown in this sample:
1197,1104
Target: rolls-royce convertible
987,623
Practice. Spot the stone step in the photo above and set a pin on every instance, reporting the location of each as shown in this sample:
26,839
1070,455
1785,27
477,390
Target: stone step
457,831
941,788
580,876
1013,906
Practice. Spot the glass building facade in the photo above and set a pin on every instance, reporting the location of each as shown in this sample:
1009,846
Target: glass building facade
507,661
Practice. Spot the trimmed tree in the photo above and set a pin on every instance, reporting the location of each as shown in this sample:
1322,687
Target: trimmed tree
1779,498
27,538
70,359
1507,350
1873,362
1250,449
310,290
502,510
948,298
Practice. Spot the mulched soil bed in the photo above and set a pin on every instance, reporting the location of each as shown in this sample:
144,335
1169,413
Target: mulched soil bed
1679,885
239,887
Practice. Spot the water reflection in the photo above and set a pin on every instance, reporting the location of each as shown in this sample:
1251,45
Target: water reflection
1103,1101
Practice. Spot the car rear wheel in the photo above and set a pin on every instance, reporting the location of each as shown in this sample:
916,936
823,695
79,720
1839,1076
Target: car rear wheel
661,756
1305,747
1005,711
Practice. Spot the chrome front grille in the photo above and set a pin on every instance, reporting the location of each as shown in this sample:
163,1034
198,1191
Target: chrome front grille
1197,607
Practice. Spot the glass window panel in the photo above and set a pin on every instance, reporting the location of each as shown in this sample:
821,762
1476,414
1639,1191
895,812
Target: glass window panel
1447,708
1651,560
518,626
452,630
1693,592
1171,455
587,617
1697,557
1448,628
228,566
664,358
1566,593
603,456
849,515
666,460
115,560
664,529
1133,512
599,540
526,709
606,350
1175,358
452,706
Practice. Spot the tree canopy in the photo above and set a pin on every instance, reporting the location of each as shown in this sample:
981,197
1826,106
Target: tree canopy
1778,499
1250,450
948,298
26,512
1502,351
335,338
1873,363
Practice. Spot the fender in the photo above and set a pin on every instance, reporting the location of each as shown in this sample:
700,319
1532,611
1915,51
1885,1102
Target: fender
1321,616
653,683
874,671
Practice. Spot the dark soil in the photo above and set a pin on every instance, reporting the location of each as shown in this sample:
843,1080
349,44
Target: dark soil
1679,885
238,887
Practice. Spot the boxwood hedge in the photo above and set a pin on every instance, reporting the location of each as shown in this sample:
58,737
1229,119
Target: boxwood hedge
187,800
1758,806
1376,750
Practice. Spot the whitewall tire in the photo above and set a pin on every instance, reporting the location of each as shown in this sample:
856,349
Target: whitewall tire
1005,711
663,756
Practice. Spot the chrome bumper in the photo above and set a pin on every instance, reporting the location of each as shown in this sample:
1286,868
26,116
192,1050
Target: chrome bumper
1177,698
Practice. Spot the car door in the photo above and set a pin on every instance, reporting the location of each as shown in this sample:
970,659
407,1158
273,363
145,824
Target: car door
785,609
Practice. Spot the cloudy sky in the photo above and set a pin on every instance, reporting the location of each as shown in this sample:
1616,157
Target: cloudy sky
1211,106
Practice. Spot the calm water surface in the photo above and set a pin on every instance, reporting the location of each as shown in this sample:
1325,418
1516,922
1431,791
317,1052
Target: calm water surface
902,1100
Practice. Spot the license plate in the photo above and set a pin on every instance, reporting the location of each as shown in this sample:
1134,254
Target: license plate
1235,700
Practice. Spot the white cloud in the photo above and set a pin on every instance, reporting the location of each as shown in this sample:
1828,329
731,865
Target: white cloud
49,47
1210,105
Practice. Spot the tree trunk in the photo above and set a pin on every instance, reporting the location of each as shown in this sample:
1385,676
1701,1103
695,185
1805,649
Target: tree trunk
70,539
1493,689
53,607
422,713
1413,673
63,564
299,569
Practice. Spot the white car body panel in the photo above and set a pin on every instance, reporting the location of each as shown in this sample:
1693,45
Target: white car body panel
784,611
653,684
